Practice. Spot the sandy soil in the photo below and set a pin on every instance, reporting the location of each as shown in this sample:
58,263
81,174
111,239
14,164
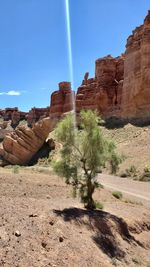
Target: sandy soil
41,225
134,143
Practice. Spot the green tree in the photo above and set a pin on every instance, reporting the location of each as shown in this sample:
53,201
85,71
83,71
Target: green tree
84,153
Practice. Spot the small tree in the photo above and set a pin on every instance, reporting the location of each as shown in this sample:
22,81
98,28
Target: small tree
84,153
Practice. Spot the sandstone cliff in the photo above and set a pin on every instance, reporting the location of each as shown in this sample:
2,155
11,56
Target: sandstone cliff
36,114
104,91
136,86
121,86
61,100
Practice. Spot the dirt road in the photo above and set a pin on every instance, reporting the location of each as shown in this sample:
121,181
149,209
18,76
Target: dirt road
129,187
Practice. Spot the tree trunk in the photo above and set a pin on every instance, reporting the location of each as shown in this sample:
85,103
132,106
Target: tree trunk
90,190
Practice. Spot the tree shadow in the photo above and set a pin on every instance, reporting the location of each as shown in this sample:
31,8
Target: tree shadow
108,230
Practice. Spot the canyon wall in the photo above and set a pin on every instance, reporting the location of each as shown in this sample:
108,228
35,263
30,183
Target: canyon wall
121,86
103,92
136,86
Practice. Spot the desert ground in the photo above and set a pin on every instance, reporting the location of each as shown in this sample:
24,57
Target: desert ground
42,225
134,143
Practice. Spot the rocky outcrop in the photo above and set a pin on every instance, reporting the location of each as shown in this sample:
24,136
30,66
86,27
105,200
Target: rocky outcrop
5,128
61,100
36,114
136,87
13,115
21,145
104,91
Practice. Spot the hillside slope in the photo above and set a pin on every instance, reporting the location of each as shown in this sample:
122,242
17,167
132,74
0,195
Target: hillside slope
134,143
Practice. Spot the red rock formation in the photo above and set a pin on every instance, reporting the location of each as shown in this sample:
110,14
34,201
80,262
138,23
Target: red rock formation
104,91
1,113
8,112
12,114
15,116
136,87
36,114
62,100
22,144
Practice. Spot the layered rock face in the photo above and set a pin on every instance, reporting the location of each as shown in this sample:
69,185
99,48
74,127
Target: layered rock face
104,91
136,87
13,114
121,86
21,145
36,114
5,128
61,100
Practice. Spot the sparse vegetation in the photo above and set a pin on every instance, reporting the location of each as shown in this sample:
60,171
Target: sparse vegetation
84,152
117,194
130,172
15,169
99,205
145,176
129,201
44,161
114,163
114,262
137,175
123,174
136,261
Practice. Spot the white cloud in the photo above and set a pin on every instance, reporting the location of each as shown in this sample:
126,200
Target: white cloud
11,93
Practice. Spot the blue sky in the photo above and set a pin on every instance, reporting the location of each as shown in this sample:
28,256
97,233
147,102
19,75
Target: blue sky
33,43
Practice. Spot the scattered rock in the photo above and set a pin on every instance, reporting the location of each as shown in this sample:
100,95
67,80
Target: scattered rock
17,233
51,222
33,215
61,239
44,244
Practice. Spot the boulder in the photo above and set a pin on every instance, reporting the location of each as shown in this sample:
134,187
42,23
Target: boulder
22,144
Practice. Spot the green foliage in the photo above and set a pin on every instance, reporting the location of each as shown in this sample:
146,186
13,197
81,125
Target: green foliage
124,175
44,161
15,169
130,172
117,194
145,175
84,152
99,205
136,260
129,201
114,163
